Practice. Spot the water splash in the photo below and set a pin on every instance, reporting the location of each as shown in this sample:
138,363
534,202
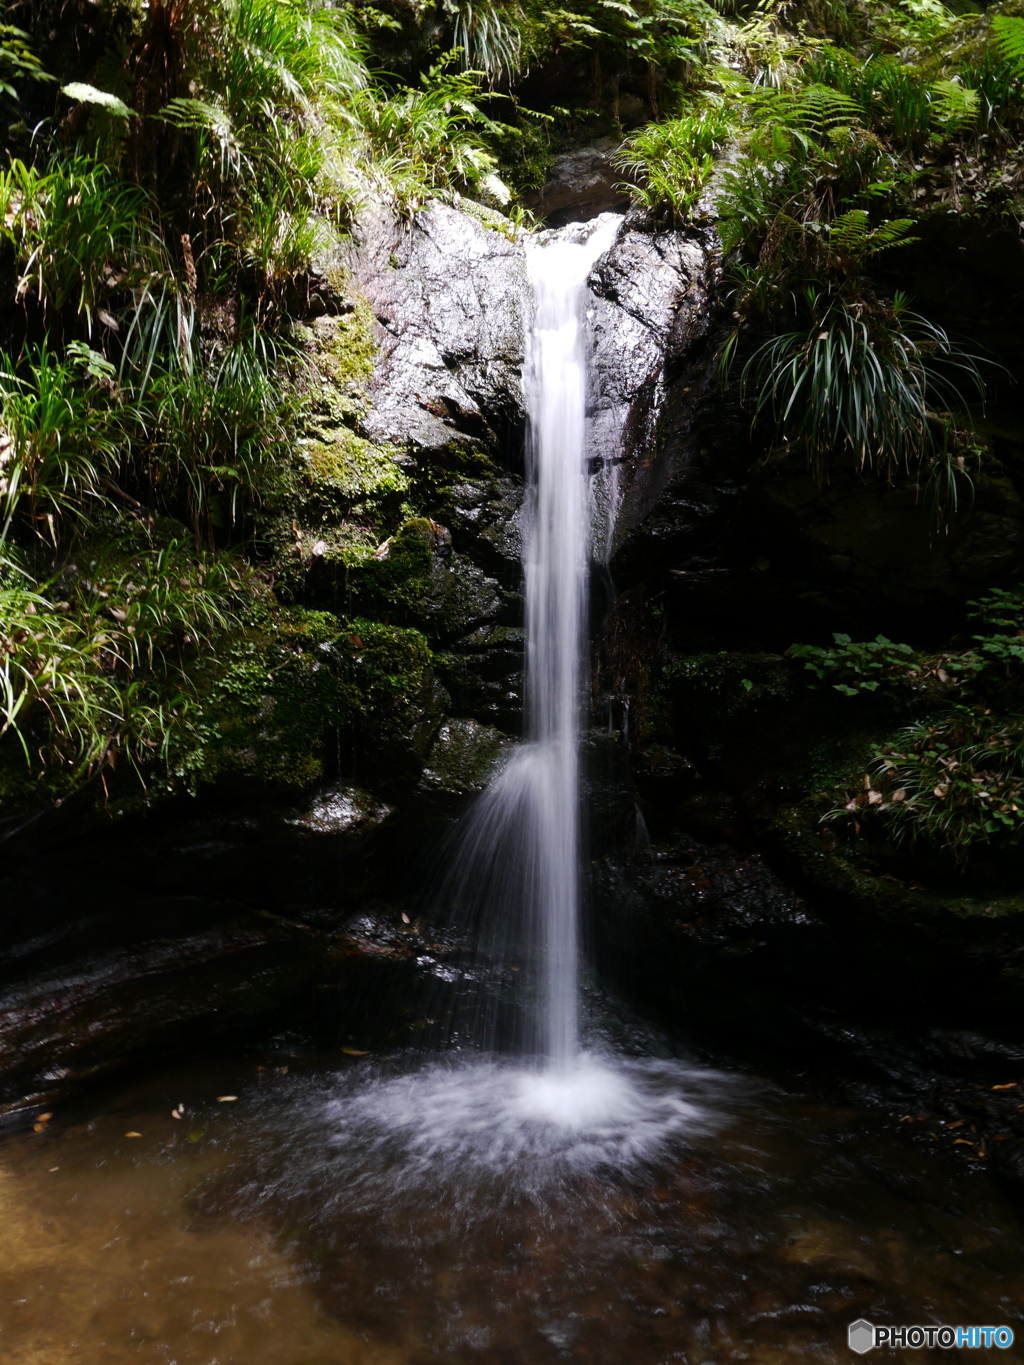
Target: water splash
529,1125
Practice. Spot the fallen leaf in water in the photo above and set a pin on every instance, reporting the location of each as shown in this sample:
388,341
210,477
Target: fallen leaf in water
1010,1085
54,1168
354,1052
282,1070
45,1118
959,1123
133,1134
962,1142
226,1099
405,918
39,1127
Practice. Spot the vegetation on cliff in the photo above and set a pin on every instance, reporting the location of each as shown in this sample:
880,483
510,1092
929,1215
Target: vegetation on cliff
188,500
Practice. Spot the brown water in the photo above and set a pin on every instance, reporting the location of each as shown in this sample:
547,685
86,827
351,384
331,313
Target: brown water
301,1224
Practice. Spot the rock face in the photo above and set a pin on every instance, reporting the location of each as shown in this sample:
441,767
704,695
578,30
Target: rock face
582,184
452,301
446,391
650,319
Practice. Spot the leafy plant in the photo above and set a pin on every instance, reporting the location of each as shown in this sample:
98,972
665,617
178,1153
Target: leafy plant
429,140
859,666
861,378
489,33
673,161
18,62
956,782
214,430
64,439
79,233
1004,609
106,673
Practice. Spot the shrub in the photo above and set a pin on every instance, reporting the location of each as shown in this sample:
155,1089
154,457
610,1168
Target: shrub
107,672
956,782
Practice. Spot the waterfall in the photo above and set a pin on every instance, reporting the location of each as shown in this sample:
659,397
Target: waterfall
555,561
511,891
514,879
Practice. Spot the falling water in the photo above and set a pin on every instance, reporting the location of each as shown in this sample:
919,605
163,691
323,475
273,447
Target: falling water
514,879
556,557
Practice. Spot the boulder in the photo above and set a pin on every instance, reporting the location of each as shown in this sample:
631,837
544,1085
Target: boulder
582,183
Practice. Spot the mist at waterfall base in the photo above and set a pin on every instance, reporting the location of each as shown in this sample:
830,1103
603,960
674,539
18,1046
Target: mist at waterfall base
517,1091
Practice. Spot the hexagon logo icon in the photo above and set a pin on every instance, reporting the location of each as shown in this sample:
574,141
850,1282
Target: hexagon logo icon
861,1336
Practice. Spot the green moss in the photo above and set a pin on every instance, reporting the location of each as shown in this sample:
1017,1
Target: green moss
400,577
342,351
344,464
268,704
383,670
287,682
462,758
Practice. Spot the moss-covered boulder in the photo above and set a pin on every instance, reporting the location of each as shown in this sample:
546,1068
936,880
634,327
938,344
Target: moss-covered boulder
283,686
462,758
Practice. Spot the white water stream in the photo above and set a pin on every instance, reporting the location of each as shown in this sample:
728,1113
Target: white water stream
515,875
556,558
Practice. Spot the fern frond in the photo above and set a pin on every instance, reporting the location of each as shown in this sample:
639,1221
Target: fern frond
1009,35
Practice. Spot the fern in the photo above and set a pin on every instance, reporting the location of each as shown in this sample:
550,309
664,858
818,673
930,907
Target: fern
956,106
1009,36
852,236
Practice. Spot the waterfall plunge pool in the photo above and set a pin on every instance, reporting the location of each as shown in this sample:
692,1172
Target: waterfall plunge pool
348,1210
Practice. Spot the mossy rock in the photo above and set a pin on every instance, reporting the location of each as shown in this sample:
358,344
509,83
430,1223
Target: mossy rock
342,352
418,575
345,468
462,758
285,683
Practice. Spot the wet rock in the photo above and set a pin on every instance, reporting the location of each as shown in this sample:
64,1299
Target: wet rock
1008,1163
343,810
484,676
59,1032
861,543
486,518
650,318
463,758
451,298
582,184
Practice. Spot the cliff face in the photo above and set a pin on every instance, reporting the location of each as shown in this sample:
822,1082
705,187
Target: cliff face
712,757
759,884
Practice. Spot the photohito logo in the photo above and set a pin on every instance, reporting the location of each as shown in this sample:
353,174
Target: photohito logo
865,1336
